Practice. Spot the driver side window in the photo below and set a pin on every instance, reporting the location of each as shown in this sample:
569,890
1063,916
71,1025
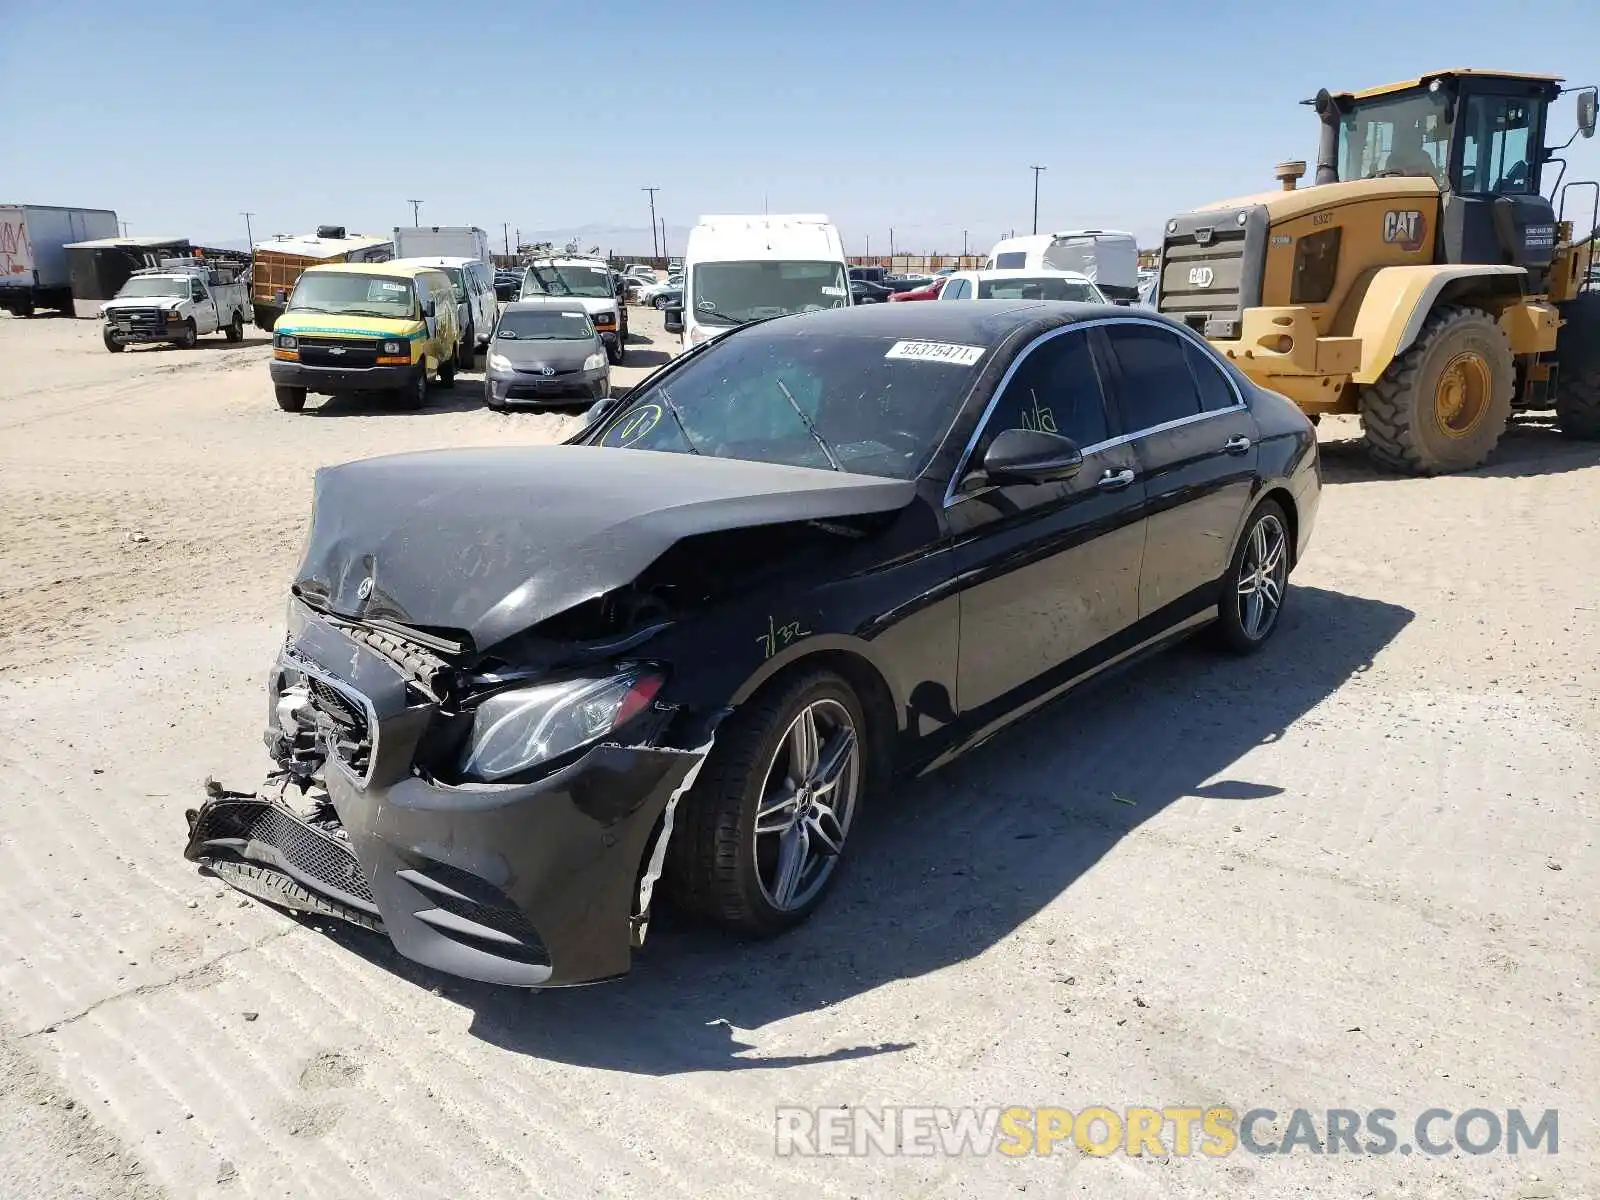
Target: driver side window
1057,389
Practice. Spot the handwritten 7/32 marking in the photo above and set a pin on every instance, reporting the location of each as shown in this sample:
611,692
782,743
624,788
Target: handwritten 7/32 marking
778,636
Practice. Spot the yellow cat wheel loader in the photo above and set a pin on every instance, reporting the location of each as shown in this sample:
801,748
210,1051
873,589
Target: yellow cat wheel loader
1426,280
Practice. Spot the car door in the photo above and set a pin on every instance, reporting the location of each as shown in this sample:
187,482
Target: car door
1195,441
205,308
1046,573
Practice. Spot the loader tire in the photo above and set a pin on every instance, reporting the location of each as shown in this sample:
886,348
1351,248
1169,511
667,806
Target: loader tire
1578,368
1578,405
1443,404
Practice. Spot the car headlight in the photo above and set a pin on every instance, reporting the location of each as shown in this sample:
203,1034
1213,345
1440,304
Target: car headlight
396,348
515,730
605,318
499,362
285,341
594,362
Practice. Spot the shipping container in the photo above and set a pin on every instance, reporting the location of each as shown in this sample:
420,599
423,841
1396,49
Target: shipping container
33,257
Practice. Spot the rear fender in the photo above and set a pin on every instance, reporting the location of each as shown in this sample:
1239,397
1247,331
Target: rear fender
1399,299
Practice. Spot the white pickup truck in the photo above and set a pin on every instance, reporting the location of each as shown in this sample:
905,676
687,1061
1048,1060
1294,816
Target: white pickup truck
175,303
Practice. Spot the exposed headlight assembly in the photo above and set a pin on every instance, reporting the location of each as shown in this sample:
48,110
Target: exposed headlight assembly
515,730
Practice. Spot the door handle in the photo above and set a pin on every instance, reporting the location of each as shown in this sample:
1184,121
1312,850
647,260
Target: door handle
1237,444
1113,481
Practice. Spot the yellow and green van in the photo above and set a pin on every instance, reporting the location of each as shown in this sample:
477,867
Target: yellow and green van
366,327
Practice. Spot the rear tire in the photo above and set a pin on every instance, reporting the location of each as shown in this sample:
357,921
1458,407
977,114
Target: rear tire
1578,405
467,349
1443,405
1578,368
235,330
1256,586
447,372
715,868
290,399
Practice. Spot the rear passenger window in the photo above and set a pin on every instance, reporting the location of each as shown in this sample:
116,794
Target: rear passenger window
1056,388
1216,393
956,289
1157,385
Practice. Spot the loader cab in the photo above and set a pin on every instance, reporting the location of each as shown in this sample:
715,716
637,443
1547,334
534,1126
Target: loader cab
1479,136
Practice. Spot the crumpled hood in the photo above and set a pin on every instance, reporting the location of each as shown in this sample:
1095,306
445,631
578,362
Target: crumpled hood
494,541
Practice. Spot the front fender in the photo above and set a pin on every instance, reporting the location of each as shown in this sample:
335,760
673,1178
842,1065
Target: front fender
1398,301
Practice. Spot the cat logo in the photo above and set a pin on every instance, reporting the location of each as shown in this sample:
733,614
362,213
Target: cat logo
1404,229
1201,277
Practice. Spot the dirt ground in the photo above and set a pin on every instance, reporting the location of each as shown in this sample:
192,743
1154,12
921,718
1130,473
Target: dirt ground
1357,871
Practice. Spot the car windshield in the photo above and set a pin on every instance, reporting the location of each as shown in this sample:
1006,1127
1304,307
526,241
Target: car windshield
1407,135
533,325
880,404
1039,287
729,293
457,281
154,287
353,295
569,280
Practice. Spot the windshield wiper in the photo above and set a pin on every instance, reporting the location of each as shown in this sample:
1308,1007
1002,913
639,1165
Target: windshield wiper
810,428
677,419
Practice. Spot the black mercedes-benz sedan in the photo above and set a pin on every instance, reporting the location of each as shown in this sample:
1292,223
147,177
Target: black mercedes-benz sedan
521,687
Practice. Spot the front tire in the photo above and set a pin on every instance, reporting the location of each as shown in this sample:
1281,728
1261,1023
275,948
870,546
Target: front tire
467,349
110,339
660,302
447,372
1257,583
616,351
188,337
290,399
761,834
1443,404
415,393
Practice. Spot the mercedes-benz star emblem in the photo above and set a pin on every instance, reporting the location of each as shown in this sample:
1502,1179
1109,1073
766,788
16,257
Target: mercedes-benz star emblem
364,590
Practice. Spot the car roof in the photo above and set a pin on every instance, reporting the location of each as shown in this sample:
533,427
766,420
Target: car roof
1026,273
405,268
976,322
553,304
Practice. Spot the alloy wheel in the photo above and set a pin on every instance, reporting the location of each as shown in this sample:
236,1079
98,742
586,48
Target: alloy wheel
1263,575
808,800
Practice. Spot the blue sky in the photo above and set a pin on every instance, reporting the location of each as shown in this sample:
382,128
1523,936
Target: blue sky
920,116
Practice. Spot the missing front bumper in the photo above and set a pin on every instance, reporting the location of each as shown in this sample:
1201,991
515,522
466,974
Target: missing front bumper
533,885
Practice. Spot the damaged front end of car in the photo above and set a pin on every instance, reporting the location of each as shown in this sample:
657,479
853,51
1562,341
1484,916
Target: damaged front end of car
477,747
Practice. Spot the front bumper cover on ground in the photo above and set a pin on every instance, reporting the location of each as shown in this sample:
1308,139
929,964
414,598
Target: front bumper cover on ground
533,885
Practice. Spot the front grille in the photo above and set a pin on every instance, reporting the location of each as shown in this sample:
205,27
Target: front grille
351,736
317,857
141,320
1211,269
338,352
331,701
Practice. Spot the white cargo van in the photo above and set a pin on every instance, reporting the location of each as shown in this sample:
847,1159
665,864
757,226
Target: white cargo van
1107,256
740,268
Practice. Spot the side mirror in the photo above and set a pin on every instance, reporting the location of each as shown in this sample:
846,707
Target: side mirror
673,318
598,410
1031,456
1588,100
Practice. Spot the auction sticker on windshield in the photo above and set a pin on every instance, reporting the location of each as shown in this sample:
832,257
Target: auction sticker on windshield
941,352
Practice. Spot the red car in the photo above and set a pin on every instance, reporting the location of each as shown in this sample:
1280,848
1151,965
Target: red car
928,292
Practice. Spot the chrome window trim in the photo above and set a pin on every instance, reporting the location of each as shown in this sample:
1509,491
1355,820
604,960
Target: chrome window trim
1176,330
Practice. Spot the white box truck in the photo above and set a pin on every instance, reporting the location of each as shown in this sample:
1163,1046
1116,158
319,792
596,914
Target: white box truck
442,241
745,267
33,256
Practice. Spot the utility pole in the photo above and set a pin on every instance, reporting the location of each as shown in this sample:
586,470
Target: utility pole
868,254
1036,171
654,245
663,237
250,238
963,243
124,225
416,209
891,241
505,234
